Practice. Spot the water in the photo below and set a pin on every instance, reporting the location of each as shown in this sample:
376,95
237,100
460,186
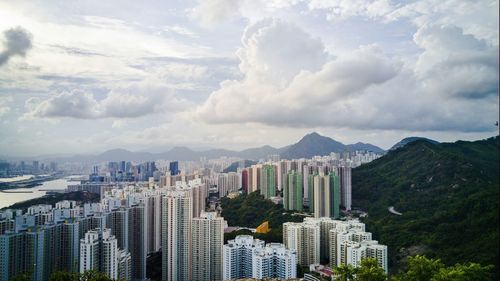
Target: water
7,199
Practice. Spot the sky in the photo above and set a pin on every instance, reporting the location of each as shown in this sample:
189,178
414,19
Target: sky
87,76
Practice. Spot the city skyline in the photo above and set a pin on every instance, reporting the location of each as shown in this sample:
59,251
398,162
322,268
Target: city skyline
87,77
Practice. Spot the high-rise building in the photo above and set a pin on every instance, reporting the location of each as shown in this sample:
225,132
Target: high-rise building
244,180
137,245
153,214
345,187
268,181
124,265
274,261
238,256
99,251
304,238
292,191
174,168
325,199
349,244
177,214
23,252
207,243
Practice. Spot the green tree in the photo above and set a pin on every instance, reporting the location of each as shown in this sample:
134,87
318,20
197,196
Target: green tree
64,276
345,273
370,270
25,276
464,272
420,268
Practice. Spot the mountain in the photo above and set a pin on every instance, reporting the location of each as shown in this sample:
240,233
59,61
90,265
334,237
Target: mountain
315,144
235,165
447,194
406,141
365,146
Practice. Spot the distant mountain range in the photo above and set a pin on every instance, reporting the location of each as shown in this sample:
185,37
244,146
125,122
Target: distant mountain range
310,145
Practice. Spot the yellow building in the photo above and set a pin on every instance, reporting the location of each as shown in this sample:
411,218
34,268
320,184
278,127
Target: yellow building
263,228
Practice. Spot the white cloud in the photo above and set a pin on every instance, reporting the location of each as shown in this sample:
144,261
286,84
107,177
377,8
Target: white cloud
283,88
456,64
361,89
212,12
127,101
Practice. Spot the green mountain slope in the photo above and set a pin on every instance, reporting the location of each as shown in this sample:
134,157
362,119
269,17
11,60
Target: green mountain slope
447,194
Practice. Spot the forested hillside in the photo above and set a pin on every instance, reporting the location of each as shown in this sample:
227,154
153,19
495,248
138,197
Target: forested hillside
448,195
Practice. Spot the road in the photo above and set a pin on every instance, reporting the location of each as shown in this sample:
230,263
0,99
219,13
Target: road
393,211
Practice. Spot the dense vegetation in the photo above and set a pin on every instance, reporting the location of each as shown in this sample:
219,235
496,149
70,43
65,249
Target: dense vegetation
52,199
418,268
447,193
250,210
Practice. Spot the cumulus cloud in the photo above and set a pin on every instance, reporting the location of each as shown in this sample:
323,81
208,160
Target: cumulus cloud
456,64
300,85
17,43
284,80
212,12
129,101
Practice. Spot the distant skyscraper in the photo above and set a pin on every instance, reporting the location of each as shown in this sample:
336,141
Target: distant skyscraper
244,180
238,258
174,168
292,191
207,243
177,214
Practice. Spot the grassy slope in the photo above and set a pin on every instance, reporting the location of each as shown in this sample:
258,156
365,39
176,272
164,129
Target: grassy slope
448,194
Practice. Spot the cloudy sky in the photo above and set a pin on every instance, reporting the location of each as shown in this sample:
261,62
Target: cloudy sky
86,76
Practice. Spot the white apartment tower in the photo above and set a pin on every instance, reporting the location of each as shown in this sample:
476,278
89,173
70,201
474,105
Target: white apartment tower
99,251
274,261
237,259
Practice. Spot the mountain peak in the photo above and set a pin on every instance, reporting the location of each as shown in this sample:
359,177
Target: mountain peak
408,140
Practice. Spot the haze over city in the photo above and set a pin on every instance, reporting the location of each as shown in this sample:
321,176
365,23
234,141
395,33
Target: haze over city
84,77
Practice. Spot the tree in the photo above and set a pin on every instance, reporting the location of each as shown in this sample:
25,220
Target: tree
64,276
420,268
25,276
464,272
345,273
370,270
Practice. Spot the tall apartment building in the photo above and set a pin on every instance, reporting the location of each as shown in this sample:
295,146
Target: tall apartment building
99,251
325,224
350,243
23,252
325,197
346,186
304,238
274,261
268,181
207,243
177,214
237,259
292,191
137,222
